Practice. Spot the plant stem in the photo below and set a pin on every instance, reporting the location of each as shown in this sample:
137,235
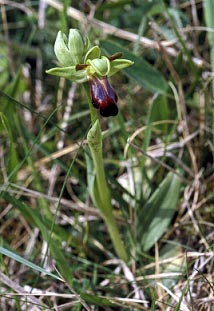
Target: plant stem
115,237
100,190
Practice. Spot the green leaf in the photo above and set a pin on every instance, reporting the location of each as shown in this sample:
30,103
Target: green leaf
160,111
26,262
158,211
142,72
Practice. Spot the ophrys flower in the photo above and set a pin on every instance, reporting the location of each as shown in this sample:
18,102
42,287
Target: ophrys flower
80,62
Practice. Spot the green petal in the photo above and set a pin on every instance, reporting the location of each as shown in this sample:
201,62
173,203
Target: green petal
61,50
101,66
119,64
94,52
69,73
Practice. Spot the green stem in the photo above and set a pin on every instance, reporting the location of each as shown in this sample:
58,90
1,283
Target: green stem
115,237
208,13
101,193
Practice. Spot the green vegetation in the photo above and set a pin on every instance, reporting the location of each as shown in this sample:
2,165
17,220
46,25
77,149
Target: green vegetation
138,186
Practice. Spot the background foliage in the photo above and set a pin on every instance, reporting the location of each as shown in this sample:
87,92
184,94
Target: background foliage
158,154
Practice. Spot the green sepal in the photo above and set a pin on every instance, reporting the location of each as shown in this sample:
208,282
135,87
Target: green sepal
69,73
61,50
76,45
119,64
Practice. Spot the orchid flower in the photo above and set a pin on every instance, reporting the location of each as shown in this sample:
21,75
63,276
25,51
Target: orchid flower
79,62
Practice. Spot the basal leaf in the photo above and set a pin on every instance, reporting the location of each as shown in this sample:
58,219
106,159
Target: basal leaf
160,111
158,211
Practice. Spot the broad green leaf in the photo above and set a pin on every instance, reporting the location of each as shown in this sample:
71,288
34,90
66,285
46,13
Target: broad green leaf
160,111
142,72
26,262
158,211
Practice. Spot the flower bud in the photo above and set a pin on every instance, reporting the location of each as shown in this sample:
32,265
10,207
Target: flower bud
70,51
103,96
61,50
76,45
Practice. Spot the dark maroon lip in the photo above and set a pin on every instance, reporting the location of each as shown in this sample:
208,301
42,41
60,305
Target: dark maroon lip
111,110
103,96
